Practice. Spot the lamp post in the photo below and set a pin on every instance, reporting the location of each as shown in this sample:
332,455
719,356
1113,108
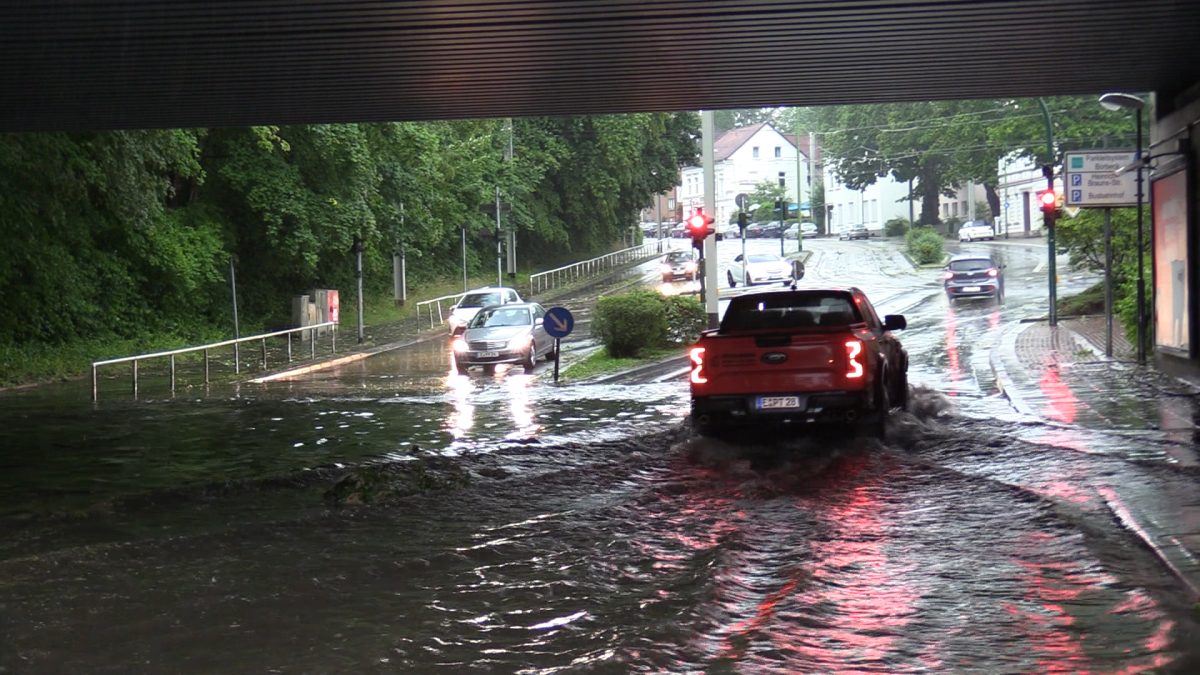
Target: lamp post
1119,101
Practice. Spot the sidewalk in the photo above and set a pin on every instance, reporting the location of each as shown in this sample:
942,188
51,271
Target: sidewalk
1060,374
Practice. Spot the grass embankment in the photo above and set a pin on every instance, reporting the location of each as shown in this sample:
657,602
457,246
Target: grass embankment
600,363
39,363
1090,301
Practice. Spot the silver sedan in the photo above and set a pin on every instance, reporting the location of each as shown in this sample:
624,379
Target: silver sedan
511,333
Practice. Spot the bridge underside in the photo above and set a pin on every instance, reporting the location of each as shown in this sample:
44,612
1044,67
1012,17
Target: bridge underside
68,64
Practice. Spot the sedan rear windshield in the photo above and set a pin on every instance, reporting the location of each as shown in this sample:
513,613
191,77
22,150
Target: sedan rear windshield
972,265
801,309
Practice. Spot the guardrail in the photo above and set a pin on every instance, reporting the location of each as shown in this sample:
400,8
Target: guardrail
544,281
237,368
436,302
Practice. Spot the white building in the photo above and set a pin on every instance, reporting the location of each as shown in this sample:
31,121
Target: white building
961,207
872,206
744,157
1020,181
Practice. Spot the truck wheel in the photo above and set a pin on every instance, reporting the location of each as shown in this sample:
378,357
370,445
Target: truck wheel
902,392
877,421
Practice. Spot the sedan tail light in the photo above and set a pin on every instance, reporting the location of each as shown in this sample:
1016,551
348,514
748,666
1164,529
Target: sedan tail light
854,368
698,375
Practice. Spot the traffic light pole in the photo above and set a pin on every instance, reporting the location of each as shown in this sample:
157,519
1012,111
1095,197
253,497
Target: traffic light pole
1051,264
707,135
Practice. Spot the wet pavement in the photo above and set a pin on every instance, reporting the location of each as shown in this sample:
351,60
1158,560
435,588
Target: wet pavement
1060,374
584,528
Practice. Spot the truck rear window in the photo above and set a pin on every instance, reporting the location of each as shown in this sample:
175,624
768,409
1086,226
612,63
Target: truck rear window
790,310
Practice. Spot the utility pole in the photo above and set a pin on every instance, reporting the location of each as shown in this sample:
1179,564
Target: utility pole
237,333
1048,172
358,274
707,134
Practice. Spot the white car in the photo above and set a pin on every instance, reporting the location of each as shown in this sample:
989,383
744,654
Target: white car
764,268
976,231
470,303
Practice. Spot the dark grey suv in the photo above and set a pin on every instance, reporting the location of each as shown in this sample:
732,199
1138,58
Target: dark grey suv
971,275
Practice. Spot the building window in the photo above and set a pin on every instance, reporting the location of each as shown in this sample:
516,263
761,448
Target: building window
954,209
782,179
754,152
778,151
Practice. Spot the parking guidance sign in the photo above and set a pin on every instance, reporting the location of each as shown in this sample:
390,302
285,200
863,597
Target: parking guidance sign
1090,180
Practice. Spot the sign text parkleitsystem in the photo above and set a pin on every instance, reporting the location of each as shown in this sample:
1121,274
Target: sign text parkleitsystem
1090,180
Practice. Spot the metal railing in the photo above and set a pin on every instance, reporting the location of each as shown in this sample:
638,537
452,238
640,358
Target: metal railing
237,368
429,306
544,281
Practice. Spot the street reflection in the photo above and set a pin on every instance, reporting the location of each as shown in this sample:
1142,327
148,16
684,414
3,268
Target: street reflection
518,386
954,367
463,417
1060,400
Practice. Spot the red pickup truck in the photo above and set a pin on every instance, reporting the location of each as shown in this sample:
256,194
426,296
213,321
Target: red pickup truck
794,358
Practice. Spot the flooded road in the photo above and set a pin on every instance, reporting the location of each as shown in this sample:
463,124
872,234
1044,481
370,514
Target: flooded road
583,528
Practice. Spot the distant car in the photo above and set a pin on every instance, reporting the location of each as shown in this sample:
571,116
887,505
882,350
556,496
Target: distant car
730,231
679,265
511,333
974,276
679,231
809,229
976,231
858,231
470,303
763,268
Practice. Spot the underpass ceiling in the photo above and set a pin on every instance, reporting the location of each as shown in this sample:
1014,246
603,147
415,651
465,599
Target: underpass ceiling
95,64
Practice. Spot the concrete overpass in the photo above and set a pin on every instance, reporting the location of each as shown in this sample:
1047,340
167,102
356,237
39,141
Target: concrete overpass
111,64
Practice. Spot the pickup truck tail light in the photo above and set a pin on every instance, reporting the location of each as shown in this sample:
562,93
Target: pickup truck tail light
854,368
698,376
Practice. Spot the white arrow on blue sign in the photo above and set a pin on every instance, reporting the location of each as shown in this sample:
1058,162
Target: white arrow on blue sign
558,322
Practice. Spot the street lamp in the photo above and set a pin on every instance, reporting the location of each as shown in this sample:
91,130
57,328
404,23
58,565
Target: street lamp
1118,101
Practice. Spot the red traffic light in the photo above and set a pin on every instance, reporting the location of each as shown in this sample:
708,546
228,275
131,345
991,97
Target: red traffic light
1048,199
699,225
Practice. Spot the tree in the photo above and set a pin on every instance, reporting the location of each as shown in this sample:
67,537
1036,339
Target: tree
763,199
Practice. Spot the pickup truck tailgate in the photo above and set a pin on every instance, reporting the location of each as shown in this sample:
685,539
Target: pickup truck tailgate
767,363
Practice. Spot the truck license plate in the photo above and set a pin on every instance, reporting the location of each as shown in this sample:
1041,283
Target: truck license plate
970,289
778,402
488,355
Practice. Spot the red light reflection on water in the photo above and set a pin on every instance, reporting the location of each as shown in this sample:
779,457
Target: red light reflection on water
1060,400
952,352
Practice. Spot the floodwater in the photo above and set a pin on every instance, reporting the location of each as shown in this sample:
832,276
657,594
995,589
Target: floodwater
583,527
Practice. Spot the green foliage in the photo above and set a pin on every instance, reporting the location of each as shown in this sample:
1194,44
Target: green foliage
686,317
123,234
942,144
626,324
1082,238
924,245
896,227
765,194
641,320
1090,301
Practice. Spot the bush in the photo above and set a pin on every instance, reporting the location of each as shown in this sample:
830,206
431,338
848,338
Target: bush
628,323
685,318
924,245
643,319
896,227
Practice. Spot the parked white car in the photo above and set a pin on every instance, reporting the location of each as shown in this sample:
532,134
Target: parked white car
763,268
976,231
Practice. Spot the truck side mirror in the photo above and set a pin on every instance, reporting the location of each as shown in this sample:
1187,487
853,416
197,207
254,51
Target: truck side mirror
894,322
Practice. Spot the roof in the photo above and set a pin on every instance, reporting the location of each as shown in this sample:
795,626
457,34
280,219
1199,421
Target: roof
92,64
728,143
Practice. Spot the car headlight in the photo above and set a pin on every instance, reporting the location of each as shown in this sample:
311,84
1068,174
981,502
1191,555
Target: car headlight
666,269
690,267
518,342
459,346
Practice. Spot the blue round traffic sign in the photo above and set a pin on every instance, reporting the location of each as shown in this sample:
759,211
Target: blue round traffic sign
558,322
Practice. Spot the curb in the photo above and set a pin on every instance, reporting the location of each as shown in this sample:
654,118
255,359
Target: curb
1006,347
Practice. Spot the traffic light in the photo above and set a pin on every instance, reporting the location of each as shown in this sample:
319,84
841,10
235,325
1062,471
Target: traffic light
743,221
1048,200
699,225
